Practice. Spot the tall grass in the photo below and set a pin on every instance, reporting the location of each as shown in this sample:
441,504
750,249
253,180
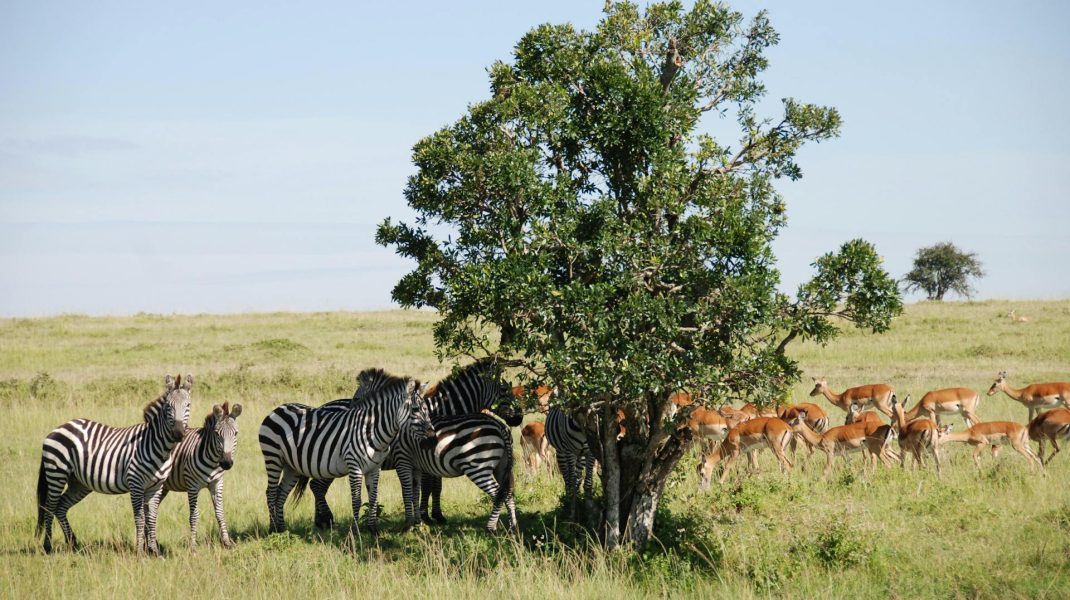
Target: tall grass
998,533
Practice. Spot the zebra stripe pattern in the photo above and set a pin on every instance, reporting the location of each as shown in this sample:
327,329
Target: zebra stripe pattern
470,390
199,461
573,453
300,442
83,456
477,446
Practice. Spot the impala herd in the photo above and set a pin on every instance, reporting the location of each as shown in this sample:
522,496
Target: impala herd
725,433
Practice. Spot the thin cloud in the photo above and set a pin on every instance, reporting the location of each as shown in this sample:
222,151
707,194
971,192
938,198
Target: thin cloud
69,145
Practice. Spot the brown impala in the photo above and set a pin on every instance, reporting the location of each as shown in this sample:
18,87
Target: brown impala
1051,425
877,434
749,436
995,434
962,401
916,436
841,440
1036,396
877,395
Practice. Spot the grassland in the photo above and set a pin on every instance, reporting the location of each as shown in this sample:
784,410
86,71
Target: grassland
1000,533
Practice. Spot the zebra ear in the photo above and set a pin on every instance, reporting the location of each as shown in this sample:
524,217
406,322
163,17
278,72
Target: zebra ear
412,386
217,410
187,382
169,382
235,411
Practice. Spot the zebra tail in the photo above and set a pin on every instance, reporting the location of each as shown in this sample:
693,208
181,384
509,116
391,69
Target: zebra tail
42,498
298,491
505,479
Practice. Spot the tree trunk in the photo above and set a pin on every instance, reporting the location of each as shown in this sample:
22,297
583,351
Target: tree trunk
650,485
611,477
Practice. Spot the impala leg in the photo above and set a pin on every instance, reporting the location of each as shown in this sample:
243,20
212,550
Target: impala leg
728,464
828,465
1055,443
977,455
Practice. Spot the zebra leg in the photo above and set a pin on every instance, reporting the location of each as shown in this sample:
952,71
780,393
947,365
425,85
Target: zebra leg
277,500
324,516
356,476
194,515
137,501
371,480
152,510
431,495
75,493
408,493
588,477
215,487
566,464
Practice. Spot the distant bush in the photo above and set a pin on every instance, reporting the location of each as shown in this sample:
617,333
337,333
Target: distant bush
279,346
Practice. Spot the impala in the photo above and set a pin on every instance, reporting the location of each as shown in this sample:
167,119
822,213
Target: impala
1036,396
1050,425
534,446
950,401
842,440
749,437
877,434
916,436
705,424
877,395
816,418
995,434
734,416
542,396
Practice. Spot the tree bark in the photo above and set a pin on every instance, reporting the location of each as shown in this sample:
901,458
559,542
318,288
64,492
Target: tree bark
650,486
611,477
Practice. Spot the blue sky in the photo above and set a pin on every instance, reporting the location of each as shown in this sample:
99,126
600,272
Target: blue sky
219,157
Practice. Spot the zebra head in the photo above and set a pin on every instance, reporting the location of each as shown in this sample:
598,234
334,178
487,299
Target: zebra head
501,399
420,418
222,428
172,409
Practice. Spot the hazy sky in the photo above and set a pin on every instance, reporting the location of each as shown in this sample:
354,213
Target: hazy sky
232,156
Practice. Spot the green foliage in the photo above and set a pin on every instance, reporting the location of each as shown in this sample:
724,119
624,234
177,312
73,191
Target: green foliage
943,268
597,236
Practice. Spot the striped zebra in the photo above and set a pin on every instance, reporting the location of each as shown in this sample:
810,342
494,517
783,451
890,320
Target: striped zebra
83,456
477,446
300,442
573,453
470,390
200,460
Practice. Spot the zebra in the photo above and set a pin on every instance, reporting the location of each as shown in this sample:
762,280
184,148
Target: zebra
200,460
301,442
469,390
83,456
573,452
477,446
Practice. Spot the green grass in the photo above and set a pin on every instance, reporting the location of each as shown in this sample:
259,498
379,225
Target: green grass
1000,533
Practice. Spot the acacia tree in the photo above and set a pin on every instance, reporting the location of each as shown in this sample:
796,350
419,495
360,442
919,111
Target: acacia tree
595,237
943,268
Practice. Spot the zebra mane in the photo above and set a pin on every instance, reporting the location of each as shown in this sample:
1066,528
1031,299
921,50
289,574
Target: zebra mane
479,366
154,407
382,380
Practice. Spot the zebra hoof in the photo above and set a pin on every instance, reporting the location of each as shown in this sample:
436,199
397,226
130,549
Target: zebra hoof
48,547
426,519
227,543
439,518
324,522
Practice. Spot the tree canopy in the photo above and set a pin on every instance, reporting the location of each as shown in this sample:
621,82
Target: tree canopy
943,268
582,223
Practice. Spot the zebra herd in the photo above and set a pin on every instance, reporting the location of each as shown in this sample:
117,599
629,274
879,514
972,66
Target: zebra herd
391,422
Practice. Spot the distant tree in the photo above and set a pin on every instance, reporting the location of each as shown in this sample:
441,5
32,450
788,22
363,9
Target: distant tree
587,230
943,268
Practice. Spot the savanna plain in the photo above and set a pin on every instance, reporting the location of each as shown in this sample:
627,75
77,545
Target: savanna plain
1001,532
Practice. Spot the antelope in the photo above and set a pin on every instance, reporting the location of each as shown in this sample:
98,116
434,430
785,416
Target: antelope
1050,425
877,434
542,395
733,416
1016,318
749,437
754,411
877,395
841,440
995,434
816,418
915,436
534,446
1036,396
949,401
705,424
